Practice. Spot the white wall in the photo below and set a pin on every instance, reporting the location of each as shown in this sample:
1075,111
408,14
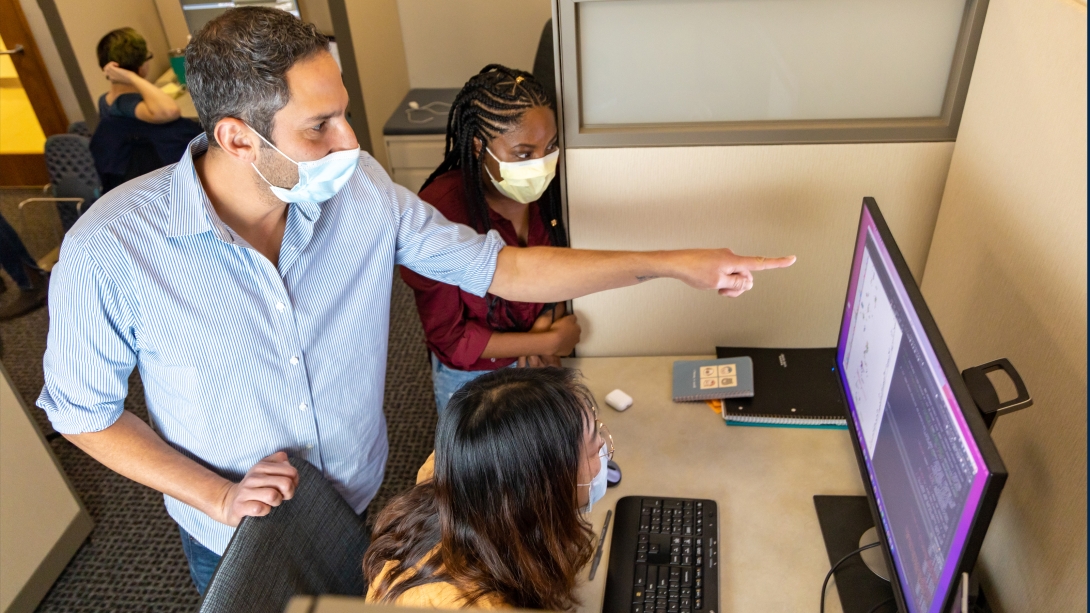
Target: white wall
448,42
87,22
1006,277
52,59
758,200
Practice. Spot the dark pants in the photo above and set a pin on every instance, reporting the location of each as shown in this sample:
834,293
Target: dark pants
202,560
14,257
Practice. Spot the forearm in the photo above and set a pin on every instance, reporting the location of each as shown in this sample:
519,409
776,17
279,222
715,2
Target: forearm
563,274
131,448
519,344
160,105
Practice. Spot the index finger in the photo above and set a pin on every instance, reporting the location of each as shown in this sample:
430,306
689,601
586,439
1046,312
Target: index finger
763,263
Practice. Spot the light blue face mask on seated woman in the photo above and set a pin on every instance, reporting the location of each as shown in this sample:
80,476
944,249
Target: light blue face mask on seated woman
319,180
598,483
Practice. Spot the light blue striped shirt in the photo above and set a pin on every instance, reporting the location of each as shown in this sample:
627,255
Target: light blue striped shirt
241,358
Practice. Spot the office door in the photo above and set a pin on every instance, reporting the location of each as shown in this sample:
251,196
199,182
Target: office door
29,108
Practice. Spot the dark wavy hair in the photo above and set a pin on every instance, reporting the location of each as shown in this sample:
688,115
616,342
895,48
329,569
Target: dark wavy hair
124,46
490,103
502,507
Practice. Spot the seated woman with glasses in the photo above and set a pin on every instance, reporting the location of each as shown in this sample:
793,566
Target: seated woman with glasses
123,57
519,456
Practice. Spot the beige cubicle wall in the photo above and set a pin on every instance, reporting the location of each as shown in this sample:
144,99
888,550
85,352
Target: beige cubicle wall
448,42
760,200
1006,277
42,521
43,38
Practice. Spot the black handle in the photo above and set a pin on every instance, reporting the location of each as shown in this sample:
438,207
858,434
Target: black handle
983,392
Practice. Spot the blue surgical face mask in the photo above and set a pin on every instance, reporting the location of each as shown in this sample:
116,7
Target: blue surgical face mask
598,483
319,180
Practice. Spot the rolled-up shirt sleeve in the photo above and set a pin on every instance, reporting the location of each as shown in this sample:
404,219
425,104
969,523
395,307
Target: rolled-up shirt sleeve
437,248
90,348
455,339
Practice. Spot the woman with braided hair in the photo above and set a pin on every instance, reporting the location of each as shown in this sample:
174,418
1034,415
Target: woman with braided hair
497,174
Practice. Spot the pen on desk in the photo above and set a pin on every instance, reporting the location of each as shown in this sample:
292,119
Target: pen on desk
601,544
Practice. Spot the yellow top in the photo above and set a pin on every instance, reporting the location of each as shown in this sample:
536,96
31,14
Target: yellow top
433,595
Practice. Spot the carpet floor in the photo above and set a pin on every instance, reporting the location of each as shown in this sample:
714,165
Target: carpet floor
133,559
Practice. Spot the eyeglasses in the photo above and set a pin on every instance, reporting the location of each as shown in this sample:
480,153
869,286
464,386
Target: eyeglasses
603,433
150,55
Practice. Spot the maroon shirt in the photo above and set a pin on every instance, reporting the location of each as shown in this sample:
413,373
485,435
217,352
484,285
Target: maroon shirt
457,324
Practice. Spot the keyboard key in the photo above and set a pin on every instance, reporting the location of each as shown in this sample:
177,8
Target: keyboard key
675,559
639,578
637,608
687,560
677,540
672,607
699,561
698,604
641,556
685,603
652,502
698,593
652,577
637,595
699,572
641,548
688,531
686,577
686,542
643,538
664,579
686,551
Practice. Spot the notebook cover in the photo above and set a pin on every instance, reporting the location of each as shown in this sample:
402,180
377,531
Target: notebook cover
713,379
794,384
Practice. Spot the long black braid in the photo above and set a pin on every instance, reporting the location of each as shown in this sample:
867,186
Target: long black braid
491,102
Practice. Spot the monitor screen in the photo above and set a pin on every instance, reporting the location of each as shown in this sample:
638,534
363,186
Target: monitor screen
925,468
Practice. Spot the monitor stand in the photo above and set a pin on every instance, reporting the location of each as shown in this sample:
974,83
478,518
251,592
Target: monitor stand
844,522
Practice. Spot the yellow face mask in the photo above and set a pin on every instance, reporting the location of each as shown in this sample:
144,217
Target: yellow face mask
525,181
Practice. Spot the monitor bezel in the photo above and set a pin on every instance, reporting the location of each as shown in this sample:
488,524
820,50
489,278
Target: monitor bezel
997,472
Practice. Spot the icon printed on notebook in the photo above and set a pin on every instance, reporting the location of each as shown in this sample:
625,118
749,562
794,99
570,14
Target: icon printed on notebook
728,381
728,370
710,383
707,372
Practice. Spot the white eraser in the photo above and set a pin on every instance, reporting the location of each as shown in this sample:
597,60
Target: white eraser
618,400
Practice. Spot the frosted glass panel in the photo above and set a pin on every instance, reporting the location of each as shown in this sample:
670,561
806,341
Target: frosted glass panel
669,61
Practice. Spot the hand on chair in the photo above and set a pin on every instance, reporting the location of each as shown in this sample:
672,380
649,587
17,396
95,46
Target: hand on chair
270,482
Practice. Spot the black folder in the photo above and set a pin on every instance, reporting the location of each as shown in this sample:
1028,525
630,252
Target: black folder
792,388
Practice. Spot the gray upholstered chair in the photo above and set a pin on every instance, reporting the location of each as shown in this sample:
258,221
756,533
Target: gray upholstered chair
72,175
311,544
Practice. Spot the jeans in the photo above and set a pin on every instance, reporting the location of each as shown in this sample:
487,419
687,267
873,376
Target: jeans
447,380
13,256
202,560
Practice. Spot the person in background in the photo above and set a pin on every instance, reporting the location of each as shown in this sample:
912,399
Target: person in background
495,520
123,57
33,282
140,127
498,171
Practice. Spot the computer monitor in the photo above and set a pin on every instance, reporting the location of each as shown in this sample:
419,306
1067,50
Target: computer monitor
932,473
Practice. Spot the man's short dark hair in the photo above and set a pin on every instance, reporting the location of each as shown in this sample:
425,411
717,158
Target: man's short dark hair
236,65
124,46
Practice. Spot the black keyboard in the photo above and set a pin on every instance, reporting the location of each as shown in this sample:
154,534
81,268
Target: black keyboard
663,557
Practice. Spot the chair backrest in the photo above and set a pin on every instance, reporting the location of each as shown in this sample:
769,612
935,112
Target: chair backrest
72,173
80,128
311,544
544,64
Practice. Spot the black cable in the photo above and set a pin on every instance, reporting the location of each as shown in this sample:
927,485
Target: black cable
875,608
825,584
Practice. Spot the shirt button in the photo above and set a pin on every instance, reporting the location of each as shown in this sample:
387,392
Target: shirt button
493,359
294,360
280,306
302,406
310,445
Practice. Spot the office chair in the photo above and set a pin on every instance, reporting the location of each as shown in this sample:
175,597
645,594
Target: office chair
72,175
311,544
544,70
79,128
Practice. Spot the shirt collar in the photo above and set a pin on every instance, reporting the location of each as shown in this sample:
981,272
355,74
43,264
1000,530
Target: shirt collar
191,211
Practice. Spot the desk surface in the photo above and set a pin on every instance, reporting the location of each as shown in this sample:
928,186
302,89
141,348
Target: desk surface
772,556
184,101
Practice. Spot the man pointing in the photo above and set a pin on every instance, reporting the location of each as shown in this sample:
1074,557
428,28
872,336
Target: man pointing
250,284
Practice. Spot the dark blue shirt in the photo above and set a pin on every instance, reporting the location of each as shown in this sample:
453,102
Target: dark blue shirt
123,106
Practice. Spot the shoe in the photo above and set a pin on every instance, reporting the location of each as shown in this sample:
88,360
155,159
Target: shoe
29,299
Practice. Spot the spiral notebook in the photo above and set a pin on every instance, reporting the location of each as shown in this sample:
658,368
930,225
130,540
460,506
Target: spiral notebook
696,380
798,388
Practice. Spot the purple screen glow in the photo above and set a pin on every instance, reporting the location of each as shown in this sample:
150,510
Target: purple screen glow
926,470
